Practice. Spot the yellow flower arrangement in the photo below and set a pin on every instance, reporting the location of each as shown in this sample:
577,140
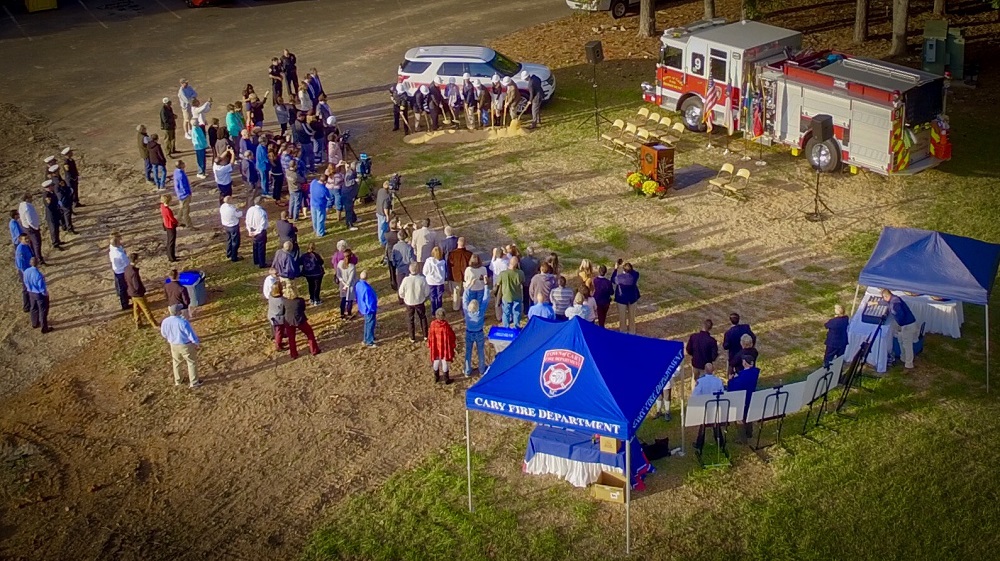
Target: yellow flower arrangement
635,179
650,188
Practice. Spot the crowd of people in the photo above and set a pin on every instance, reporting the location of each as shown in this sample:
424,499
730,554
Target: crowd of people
308,160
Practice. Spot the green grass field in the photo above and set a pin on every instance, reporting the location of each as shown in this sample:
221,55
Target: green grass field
912,477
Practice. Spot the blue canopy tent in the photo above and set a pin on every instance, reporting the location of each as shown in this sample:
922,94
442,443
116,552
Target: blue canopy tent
576,375
929,262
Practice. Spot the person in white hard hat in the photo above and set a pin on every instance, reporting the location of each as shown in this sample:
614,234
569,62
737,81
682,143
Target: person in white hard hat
484,102
512,99
439,104
331,125
400,107
535,96
497,90
421,106
453,95
468,93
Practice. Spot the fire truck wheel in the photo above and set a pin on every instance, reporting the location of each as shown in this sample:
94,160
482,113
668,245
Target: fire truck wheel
691,112
824,156
619,8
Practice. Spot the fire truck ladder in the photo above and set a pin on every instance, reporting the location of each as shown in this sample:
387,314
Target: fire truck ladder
873,68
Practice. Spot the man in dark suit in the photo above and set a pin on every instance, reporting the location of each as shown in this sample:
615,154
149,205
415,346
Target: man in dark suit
702,348
287,232
731,341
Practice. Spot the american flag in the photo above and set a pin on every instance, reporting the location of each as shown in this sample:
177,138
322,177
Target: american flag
711,99
727,116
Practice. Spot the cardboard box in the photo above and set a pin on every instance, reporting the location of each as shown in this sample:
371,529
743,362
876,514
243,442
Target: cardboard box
39,5
610,445
609,487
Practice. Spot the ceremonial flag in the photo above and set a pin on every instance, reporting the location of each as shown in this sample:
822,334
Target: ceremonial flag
758,116
728,114
711,99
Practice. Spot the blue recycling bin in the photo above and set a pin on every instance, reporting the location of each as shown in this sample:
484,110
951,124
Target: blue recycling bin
194,282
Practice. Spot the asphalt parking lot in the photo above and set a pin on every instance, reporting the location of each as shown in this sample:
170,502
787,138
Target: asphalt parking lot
96,68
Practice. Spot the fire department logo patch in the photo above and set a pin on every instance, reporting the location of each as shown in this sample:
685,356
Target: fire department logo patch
560,369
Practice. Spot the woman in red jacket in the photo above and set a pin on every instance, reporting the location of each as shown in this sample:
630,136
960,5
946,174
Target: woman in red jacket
170,227
441,340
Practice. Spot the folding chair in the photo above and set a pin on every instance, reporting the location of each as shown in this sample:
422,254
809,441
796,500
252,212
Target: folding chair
724,177
641,138
674,136
652,121
663,127
641,116
735,187
628,135
616,130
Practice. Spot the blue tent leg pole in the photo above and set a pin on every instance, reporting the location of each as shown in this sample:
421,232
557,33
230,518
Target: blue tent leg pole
468,458
987,348
628,496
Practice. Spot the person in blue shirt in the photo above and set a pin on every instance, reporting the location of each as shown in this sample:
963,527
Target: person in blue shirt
367,301
38,295
836,335
318,199
903,324
15,229
184,345
541,308
745,380
200,142
474,306
22,260
625,279
264,166
709,384
182,188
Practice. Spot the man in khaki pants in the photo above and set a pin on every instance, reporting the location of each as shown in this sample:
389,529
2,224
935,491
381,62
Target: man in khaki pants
184,345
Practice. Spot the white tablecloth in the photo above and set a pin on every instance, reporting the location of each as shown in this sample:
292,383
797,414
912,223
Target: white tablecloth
945,318
579,474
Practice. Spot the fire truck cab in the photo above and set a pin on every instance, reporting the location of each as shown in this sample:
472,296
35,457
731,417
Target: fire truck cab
755,78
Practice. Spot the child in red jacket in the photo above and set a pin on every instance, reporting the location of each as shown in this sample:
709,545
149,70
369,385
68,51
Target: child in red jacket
441,340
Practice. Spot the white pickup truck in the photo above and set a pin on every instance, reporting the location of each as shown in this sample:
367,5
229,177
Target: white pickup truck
618,8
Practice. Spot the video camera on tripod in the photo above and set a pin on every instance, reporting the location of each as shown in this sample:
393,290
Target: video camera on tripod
432,184
395,182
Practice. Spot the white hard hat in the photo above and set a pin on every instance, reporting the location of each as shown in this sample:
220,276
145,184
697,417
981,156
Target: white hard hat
477,83
400,88
465,76
331,120
425,90
166,100
451,80
524,74
496,78
506,81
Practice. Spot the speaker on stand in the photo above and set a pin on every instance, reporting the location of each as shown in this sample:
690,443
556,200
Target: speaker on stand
822,131
595,55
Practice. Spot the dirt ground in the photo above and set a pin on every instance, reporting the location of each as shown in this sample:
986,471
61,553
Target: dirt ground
103,458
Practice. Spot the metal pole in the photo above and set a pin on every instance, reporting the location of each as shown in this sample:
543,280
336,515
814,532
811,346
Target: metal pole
628,496
857,288
681,389
468,458
987,348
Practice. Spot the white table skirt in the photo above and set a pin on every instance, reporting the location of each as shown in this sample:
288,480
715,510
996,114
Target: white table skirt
945,318
579,474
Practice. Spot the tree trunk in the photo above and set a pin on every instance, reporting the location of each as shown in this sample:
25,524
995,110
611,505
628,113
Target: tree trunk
900,18
709,9
939,7
861,21
647,18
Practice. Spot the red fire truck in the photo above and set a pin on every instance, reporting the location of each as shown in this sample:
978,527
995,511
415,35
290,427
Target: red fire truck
886,118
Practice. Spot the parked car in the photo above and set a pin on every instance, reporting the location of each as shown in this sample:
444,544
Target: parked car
421,65
618,8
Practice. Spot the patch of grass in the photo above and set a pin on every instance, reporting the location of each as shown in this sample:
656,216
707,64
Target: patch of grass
859,245
613,235
558,245
693,255
423,514
731,259
817,296
721,278
660,242
814,269
140,348
509,229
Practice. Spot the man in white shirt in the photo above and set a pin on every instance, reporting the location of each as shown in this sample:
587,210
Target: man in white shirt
269,282
222,168
257,228
185,95
31,224
709,384
230,216
198,110
119,260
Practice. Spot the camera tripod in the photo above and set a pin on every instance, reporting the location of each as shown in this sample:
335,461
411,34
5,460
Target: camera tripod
598,117
395,195
440,211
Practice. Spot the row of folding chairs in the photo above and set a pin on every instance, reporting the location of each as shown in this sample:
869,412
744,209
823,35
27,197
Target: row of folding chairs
629,137
731,183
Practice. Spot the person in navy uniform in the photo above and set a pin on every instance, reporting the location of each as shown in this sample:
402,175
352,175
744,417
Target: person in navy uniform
274,73
288,62
731,342
903,324
53,216
836,335
72,174
400,107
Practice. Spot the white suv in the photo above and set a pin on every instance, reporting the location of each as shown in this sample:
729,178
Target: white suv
421,65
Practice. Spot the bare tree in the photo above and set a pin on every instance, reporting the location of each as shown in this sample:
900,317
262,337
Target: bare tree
861,21
939,7
900,19
709,9
647,18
